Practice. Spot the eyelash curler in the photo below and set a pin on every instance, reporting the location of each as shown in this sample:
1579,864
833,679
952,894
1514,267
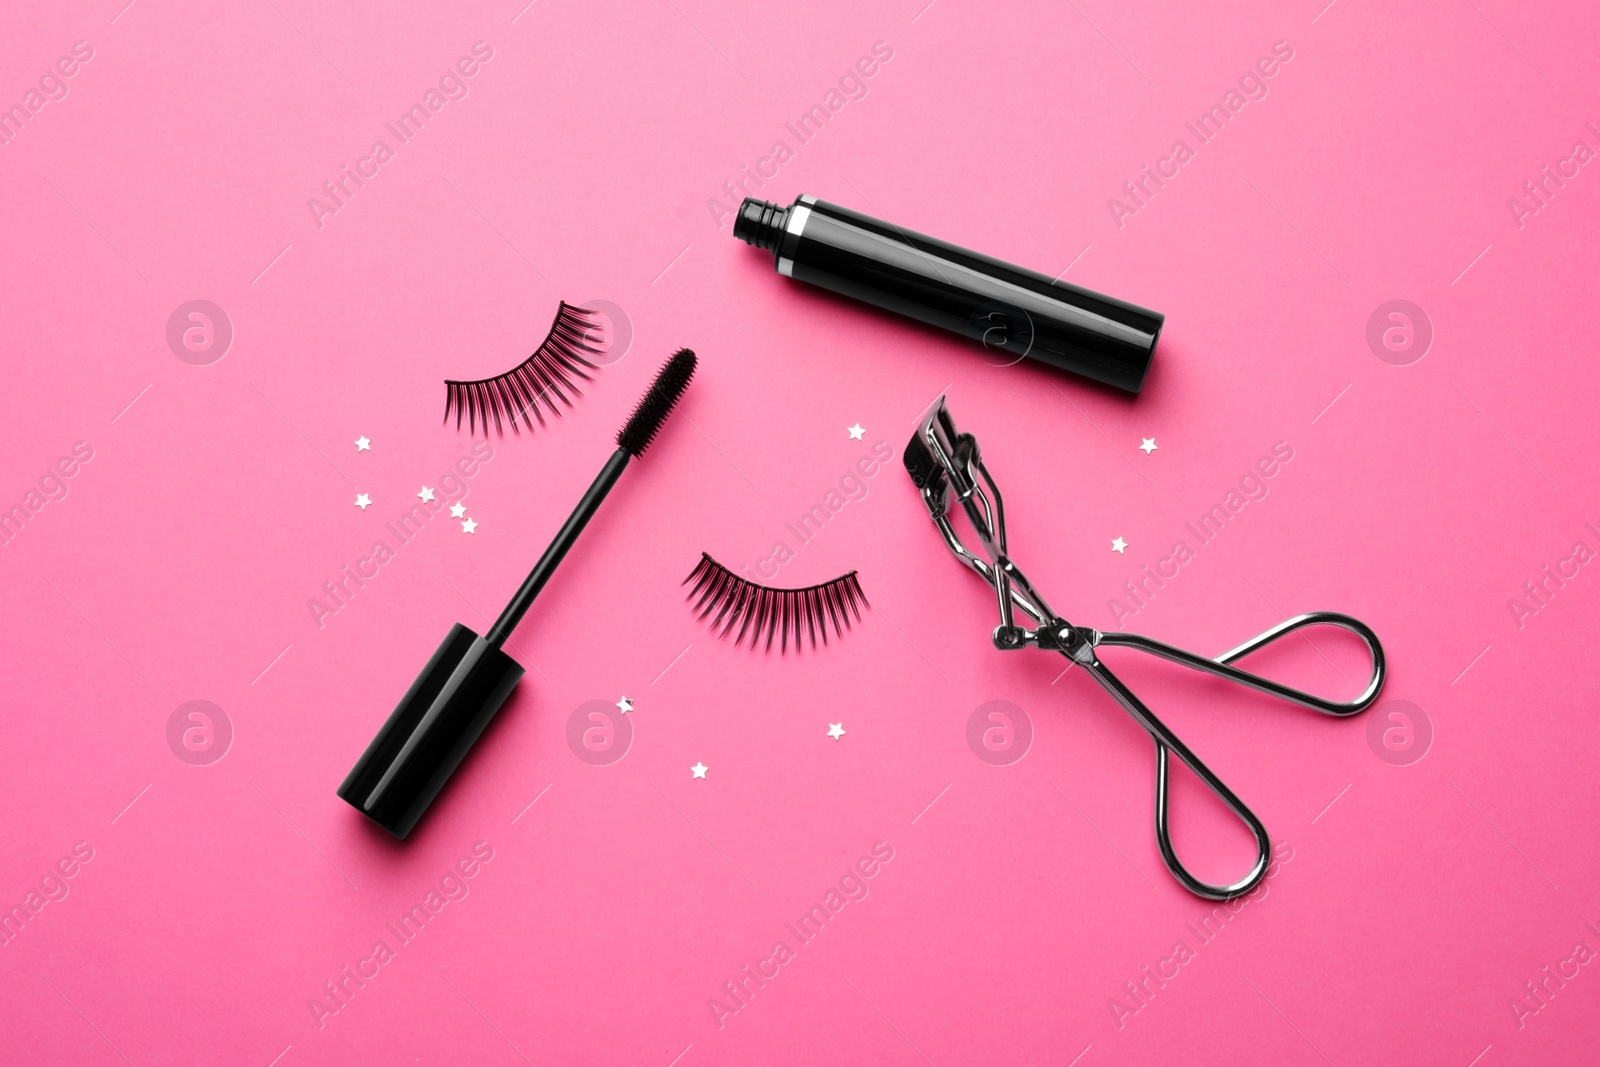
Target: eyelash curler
946,466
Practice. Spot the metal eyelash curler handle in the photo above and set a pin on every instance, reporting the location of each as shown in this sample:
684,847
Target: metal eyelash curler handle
946,466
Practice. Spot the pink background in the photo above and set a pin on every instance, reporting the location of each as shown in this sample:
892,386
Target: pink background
1416,900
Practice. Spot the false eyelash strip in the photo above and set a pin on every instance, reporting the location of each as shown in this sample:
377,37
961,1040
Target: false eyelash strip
778,611
545,376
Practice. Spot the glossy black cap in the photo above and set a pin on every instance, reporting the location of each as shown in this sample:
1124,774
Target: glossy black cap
431,731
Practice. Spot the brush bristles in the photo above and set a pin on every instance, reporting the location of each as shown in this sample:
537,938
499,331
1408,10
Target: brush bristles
657,404
780,612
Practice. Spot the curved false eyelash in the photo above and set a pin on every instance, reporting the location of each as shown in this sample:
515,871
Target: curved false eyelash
543,377
779,612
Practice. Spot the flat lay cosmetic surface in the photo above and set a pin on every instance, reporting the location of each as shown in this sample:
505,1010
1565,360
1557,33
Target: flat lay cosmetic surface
247,246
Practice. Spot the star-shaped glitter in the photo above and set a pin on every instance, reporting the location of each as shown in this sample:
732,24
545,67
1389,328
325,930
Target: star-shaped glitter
469,526
363,445
836,730
1119,545
425,495
1147,445
625,705
457,510
856,431
699,770
362,500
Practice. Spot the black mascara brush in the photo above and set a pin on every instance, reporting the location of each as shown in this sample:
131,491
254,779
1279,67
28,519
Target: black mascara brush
469,677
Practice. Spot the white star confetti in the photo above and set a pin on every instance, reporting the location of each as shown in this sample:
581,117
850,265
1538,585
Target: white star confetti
625,705
363,444
1119,545
1147,445
425,495
699,770
469,526
836,730
362,500
457,510
856,431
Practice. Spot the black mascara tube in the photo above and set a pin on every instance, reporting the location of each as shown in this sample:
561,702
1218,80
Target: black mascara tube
1008,309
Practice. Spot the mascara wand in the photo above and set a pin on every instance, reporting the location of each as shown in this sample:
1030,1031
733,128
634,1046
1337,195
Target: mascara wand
469,677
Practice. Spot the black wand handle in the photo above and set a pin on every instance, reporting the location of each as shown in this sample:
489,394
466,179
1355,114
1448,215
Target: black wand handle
557,551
